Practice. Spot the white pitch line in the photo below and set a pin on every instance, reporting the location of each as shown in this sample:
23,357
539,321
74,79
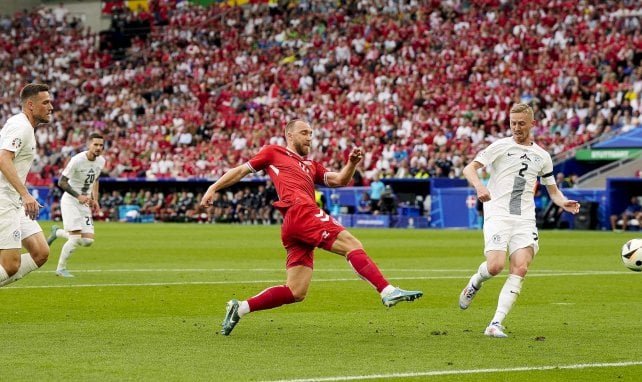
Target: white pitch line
465,371
272,281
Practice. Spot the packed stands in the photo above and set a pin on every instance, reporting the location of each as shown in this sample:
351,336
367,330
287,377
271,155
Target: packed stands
182,91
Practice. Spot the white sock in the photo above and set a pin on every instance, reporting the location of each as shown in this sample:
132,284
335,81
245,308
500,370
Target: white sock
3,274
507,297
482,275
26,265
62,233
67,250
387,290
244,308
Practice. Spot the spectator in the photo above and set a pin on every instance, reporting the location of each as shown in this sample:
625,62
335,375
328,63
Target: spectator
365,204
562,181
376,190
632,211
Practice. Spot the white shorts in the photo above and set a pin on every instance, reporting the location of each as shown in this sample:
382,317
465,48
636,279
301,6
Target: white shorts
501,234
15,226
75,216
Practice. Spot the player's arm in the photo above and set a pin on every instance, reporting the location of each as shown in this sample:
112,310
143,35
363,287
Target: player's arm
572,206
343,177
470,172
230,178
64,185
95,196
8,169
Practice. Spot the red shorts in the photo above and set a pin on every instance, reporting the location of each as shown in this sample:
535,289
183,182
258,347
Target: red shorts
305,227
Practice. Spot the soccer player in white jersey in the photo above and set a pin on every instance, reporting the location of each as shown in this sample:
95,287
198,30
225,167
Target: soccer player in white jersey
514,163
18,208
79,180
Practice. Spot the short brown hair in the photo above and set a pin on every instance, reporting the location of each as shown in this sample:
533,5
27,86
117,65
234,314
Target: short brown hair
32,90
93,136
522,108
292,123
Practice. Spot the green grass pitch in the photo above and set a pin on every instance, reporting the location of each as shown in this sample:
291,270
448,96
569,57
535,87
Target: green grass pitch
147,302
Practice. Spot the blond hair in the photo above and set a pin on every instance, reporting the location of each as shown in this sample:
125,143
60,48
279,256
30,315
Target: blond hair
519,108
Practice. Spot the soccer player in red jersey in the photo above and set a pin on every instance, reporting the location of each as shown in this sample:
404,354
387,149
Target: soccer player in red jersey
305,225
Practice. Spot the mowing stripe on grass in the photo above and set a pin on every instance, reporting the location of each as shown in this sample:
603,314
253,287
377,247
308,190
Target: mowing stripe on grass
468,371
71,285
346,269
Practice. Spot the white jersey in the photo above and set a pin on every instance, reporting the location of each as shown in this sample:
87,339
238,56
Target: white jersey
17,136
513,170
83,173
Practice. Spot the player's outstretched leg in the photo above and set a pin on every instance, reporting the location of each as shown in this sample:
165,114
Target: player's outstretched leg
395,295
231,317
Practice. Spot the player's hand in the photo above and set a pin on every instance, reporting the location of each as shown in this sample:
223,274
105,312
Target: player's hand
84,200
572,206
208,198
483,194
355,155
32,207
95,206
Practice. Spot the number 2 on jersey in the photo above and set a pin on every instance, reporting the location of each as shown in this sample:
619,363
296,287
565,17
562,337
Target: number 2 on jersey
515,204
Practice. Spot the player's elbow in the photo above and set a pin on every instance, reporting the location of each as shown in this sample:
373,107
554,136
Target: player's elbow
338,181
341,183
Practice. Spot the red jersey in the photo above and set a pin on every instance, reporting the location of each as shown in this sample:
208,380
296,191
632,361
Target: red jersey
293,176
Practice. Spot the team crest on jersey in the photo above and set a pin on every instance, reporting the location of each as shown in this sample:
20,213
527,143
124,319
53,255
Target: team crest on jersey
16,235
537,159
16,143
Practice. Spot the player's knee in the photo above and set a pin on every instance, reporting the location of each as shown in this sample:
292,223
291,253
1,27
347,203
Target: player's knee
348,241
298,297
40,255
519,270
86,242
355,243
11,264
299,294
495,268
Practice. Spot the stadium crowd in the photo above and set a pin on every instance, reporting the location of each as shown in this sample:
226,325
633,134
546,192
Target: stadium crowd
421,86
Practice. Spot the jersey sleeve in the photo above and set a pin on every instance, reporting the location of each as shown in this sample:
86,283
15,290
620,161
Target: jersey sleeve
13,138
261,160
488,155
102,163
69,168
319,174
546,175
